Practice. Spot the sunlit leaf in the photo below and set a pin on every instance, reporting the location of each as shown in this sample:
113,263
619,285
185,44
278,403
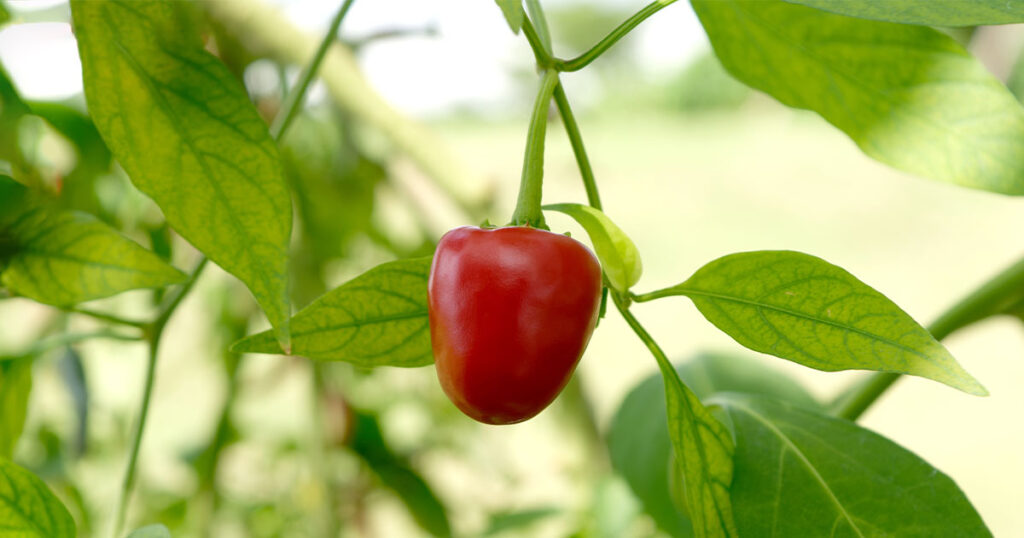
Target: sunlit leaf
703,457
185,131
619,256
28,509
909,96
63,257
800,473
15,384
377,319
926,12
804,309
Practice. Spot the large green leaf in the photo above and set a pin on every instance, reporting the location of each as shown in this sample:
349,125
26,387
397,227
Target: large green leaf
28,509
638,438
186,133
377,319
63,257
799,473
927,12
15,385
909,96
804,309
619,256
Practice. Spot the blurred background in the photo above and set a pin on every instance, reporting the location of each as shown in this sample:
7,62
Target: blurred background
691,164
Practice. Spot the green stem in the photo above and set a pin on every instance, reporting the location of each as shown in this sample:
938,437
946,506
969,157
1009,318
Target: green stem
109,318
618,33
622,305
540,52
527,212
62,340
993,297
156,331
293,102
578,150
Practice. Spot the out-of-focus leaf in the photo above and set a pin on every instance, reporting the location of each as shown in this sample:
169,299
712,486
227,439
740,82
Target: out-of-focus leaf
929,13
184,130
12,110
1016,80
28,509
151,531
513,12
518,520
801,308
704,86
638,439
800,473
619,257
73,374
78,190
399,477
15,385
64,258
377,319
909,96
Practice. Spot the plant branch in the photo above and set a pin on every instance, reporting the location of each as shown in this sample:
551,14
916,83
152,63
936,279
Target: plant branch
993,297
155,333
618,33
527,212
62,340
578,150
540,53
293,102
109,318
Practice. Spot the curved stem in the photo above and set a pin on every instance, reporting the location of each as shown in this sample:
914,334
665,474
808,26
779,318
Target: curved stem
109,318
618,33
642,333
993,297
156,332
527,212
61,340
541,53
580,152
293,102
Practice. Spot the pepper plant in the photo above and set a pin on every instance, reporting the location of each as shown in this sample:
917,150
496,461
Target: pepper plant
729,449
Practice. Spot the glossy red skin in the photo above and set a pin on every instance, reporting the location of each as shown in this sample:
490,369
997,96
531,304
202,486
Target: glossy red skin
511,311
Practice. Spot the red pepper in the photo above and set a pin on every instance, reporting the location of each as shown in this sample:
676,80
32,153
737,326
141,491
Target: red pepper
511,311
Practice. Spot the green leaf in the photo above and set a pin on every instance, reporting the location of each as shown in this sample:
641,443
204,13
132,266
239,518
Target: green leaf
638,439
28,509
15,385
703,450
800,473
803,309
513,12
928,12
377,319
184,130
619,257
151,531
64,258
909,96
